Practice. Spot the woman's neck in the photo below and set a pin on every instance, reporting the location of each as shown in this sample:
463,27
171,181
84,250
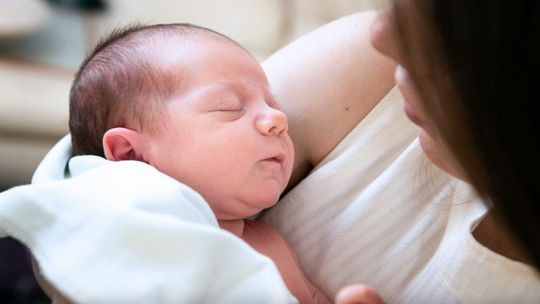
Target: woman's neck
492,234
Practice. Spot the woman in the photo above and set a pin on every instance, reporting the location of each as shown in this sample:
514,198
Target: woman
474,109
467,74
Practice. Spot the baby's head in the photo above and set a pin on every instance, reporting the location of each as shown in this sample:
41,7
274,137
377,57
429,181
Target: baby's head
190,102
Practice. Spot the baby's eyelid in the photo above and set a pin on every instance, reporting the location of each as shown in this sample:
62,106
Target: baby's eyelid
229,107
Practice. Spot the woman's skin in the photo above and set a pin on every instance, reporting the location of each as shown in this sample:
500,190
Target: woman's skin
384,39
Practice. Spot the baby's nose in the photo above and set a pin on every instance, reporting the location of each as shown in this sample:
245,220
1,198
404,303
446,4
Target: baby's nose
272,122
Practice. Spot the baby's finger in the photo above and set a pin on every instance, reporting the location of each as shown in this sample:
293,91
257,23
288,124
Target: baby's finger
358,294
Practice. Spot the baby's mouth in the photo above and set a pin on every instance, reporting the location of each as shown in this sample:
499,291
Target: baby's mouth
279,158
273,159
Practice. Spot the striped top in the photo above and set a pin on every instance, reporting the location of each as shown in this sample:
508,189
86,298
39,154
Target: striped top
377,211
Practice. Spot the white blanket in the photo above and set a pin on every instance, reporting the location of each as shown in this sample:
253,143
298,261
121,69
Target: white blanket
122,232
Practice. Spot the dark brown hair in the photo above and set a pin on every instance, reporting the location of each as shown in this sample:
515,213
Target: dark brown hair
119,84
484,59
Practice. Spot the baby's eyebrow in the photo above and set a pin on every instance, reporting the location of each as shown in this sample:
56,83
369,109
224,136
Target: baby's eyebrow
242,89
225,84
215,88
220,88
218,93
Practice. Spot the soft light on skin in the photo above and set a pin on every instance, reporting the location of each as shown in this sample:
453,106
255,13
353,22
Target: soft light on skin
223,134
384,39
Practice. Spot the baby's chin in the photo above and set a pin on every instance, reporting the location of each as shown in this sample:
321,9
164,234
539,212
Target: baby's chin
260,206
249,210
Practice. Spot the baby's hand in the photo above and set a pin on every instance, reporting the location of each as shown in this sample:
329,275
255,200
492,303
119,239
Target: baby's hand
358,294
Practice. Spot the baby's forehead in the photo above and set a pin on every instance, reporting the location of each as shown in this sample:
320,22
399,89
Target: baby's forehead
203,61
182,55
192,41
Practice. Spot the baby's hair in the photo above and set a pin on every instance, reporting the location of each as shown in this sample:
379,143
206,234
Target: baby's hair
119,83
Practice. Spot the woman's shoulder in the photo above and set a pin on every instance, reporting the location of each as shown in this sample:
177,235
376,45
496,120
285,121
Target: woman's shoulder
327,82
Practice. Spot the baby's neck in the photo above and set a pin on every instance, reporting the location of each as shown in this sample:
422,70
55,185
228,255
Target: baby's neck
235,227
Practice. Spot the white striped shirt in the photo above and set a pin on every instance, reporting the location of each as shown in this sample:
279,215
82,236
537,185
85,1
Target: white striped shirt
377,211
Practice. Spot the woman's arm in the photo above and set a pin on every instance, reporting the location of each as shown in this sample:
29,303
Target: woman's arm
326,82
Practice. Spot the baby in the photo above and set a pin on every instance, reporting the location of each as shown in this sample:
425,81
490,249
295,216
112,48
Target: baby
197,106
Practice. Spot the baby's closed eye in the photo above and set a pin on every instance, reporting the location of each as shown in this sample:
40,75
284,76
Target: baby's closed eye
229,110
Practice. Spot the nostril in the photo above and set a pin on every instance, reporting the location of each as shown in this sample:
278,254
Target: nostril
275,130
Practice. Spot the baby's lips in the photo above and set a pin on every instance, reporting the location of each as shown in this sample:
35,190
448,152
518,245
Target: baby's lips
279,157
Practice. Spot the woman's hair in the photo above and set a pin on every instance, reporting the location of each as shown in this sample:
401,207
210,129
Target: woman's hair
122,84
483,62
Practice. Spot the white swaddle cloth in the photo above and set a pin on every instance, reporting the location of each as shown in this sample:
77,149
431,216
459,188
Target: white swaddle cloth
122,232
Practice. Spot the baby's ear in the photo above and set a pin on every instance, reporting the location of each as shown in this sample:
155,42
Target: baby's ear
123,144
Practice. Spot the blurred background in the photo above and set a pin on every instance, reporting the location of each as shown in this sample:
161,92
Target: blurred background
42,43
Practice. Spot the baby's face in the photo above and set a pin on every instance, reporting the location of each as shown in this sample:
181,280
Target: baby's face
225,136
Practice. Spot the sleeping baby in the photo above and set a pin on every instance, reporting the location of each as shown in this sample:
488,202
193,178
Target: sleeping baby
196,106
